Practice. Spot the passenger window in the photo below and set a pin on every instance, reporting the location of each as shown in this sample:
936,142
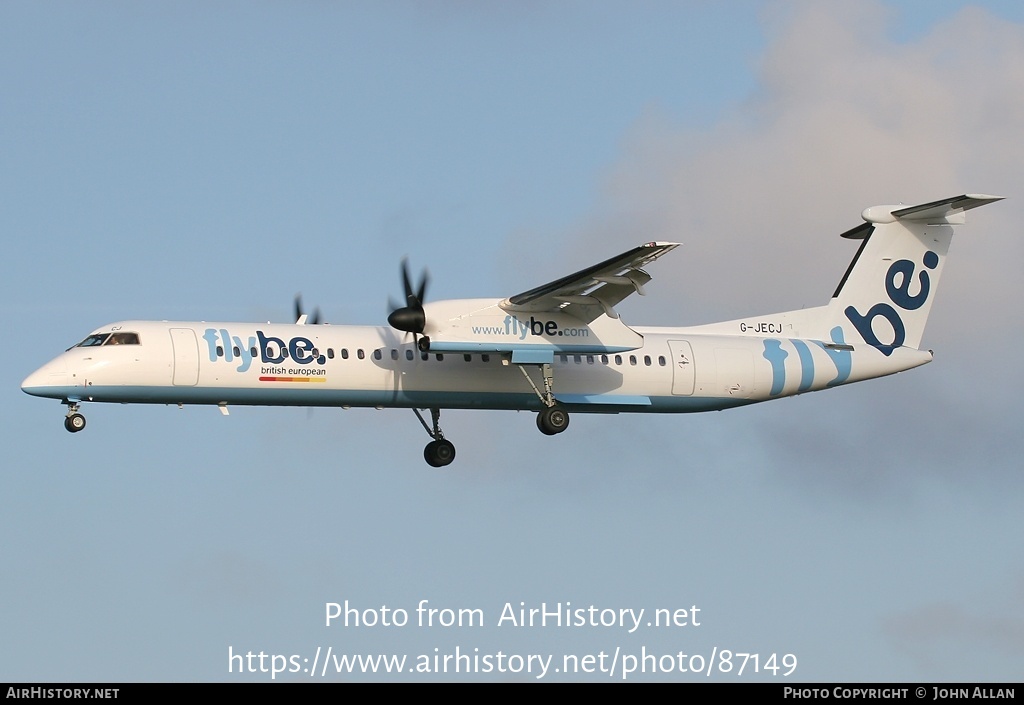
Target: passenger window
254,352
485,357
577,359
632,359
440,357
377,354
647,360
661,360
408,354
360,354
236,351
590,359
394,354
330,353
467,357
604,359
220,351
344,353
618,359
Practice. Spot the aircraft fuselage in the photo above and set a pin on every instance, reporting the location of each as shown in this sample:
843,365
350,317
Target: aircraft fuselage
674,370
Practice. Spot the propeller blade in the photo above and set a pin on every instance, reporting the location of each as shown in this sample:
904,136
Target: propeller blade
300,316
421,295
406,284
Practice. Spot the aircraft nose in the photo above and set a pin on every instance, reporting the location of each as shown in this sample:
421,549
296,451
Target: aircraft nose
42,382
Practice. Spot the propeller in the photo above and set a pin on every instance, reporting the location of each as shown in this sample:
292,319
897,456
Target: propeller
411,317
301,317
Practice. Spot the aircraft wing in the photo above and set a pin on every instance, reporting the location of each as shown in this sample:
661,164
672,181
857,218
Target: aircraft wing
593,291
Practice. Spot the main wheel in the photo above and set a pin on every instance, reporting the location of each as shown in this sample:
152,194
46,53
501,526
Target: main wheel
74,423
552,420
439,453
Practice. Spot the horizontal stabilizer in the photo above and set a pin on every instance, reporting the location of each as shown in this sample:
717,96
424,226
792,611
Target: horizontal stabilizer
948,211
941,210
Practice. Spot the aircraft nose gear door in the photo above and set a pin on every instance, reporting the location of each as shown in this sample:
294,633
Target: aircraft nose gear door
682,367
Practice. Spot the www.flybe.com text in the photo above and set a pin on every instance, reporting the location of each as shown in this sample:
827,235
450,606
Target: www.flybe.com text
520,329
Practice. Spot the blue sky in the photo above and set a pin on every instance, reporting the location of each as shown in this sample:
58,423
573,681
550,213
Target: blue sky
196,161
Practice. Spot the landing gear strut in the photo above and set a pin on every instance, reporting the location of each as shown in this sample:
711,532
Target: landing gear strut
74,421
552,419
440,451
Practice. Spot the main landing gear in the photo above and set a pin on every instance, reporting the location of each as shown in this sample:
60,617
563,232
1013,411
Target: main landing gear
440,451
74,421
552,419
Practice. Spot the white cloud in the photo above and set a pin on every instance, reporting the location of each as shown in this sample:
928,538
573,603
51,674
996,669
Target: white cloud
843,118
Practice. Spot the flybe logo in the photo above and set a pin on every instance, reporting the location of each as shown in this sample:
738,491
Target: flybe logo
266,349
838,352
898,282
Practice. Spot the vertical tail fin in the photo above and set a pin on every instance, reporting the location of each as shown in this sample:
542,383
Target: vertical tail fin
886,294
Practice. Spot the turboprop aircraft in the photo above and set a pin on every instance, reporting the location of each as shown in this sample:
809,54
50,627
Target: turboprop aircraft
557,349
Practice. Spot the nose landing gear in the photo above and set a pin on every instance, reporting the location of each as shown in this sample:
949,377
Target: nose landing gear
74,421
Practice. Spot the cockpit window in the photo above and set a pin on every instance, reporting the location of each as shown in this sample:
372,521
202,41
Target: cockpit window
123,339
109,339
94,340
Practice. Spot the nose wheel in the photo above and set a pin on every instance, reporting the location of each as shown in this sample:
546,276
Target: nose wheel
74,421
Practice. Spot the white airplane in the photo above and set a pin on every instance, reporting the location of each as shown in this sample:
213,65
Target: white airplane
557,349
